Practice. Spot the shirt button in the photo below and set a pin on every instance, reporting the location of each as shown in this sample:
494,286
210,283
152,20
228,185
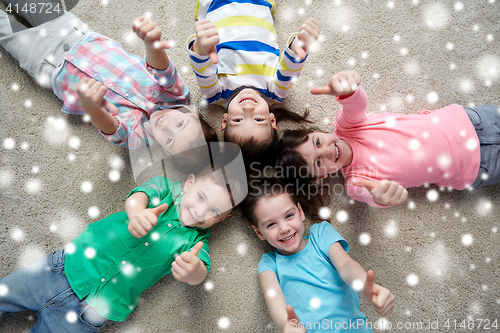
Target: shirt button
124,262
126,94
66,47
95,75
110,85
146,244
103,279
169,225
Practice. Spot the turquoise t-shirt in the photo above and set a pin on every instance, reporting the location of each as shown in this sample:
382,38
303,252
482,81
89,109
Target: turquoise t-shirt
312,285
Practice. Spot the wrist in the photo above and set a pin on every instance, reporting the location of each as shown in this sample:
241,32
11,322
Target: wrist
197,48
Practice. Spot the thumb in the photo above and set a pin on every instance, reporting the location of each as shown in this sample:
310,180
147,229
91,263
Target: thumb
110,107
197,248
326,90
368,289
368,184
160,209
213,55
291,313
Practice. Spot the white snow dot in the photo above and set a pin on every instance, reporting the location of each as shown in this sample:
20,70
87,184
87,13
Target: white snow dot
380,144
444,161
15,86
24,145
155,236
326,121
345,28
458,6
432,97
383,324
70,248
484,287
6,178
89,252
412,279
93,212
116,162
475,27
86,118
224,323
408,249
472,267
408,313
489,37
358,285
411,205
104,3
74,142
466,85
86,187
33,186
436,16
397,38
484,207
432,195
414,144
17,234
4,290
403,51
242,249
28,103
301,11
390,4
391,229
325,213
342,216
488,68
452,66
9,143
488,260
71,317
364,55
114,175
494,229
156,201
365,238
209,285
467,239
319,72
315,303
390,122
351,62
71,157
449,46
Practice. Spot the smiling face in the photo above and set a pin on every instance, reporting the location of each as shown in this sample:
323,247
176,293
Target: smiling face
176,131
248,117
325,153
204,203
281,223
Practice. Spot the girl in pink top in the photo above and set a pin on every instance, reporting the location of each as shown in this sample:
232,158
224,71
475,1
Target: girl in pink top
380,155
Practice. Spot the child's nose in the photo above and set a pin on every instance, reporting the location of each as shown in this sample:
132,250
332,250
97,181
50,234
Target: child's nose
328,152
284,228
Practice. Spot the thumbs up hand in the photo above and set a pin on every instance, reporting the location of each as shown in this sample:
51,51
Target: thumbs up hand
379,297
187,267
144,221
387,193
292,322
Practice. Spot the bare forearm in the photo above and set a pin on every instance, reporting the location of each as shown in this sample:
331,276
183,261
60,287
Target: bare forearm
275,300
101,119
352,271
136,203
157,58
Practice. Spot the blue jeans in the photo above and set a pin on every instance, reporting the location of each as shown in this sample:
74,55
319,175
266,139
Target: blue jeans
43,288
486,121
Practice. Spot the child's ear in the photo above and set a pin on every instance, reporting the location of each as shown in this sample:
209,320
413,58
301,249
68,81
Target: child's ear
223,123
318,179
273,121
301,212
228,215
259,234
189,182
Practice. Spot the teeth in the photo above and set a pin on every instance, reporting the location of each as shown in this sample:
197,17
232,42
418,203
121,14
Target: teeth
337,153
287,239
247,99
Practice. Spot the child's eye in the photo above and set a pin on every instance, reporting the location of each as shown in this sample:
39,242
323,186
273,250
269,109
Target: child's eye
318,162
180,123
214,212
259,119
169,140
237,120
289,215
270,225
200,197
317,143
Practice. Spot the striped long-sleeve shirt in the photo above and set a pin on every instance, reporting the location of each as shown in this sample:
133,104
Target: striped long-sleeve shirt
248,51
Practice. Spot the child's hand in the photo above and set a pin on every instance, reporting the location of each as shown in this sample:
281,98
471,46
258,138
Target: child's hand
144,221
207,37
292,322
187,267
149,32
381,298
341,84
308,34
91,94
386,193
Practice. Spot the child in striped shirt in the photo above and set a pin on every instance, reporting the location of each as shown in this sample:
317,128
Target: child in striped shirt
236,59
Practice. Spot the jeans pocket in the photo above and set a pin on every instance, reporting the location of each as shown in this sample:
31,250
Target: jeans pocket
475,118
56,261
90,318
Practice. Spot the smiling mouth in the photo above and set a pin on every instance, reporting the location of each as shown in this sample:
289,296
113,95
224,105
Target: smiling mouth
158,120
248,100
192,217
289,238
336,152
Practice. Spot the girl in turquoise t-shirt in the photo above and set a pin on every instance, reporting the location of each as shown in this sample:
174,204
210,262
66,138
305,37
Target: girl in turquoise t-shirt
309,283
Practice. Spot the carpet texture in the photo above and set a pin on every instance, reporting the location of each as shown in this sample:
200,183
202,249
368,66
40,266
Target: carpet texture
438,253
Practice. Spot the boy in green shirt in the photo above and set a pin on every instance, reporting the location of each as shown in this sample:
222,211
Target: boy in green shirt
101,274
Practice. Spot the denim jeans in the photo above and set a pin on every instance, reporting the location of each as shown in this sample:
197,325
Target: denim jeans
486,121
43,288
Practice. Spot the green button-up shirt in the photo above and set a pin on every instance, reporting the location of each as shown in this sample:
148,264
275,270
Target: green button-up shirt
112,268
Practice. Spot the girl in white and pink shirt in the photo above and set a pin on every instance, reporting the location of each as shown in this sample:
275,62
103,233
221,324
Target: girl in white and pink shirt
380,155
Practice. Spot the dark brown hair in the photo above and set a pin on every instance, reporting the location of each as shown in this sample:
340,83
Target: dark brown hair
287,156
264,153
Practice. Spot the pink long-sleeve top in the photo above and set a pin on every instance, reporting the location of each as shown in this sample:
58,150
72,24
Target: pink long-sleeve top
439,147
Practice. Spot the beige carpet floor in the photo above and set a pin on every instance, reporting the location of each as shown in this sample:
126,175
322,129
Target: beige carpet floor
439,253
